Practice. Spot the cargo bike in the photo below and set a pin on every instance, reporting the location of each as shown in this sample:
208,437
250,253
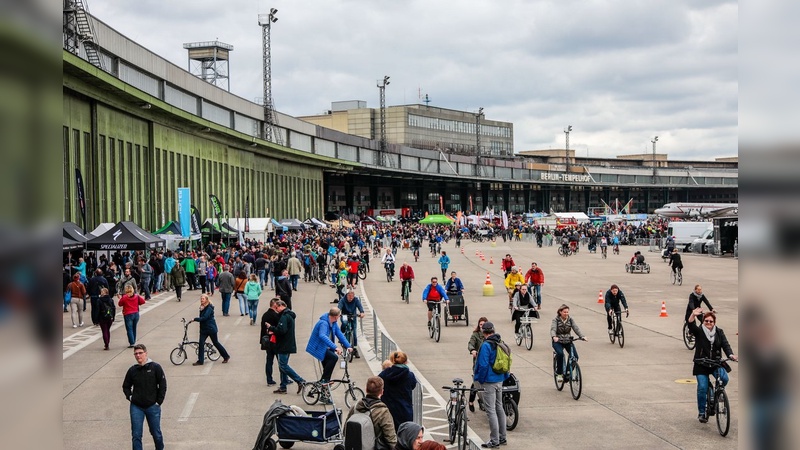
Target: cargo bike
290,424
456,310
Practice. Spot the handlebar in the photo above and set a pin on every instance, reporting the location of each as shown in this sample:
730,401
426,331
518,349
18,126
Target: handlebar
463,389
569,339
713,362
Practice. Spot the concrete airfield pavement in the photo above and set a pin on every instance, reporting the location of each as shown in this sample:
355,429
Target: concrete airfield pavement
634,397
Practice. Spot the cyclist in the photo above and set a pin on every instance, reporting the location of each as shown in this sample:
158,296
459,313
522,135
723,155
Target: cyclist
573,241
535,279
365,257
675,260
696,300
711,342
415,245
561,327
523,301
350,305
321,344
388,261
433,294
614,297
444,263
406,276
615,243
637,258
513,281
604,245
352,270
669,245
454,285
565,243
506,264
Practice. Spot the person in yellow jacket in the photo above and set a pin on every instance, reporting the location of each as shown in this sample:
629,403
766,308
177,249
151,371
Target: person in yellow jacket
513,281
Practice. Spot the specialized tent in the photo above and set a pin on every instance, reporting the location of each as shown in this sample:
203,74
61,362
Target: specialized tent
125,236
100,229
292,224
69,244
74,232
318,223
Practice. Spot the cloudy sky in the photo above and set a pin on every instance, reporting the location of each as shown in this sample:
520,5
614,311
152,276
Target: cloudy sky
619,72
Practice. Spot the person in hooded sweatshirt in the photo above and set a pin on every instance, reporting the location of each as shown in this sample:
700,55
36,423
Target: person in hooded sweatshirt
399,382
381,417
409,436
285,346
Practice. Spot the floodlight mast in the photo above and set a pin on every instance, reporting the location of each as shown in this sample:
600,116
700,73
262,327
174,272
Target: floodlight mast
270,119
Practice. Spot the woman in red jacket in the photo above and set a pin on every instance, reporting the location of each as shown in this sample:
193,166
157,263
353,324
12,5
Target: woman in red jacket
130,302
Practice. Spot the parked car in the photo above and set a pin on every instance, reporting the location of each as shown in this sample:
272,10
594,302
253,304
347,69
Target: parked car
704,242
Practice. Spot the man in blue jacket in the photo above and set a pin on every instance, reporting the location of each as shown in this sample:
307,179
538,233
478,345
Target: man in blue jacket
350,305
492,384
433,294
321,343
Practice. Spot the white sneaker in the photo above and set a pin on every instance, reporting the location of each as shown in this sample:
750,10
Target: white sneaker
81,324
74,326
559,378
610,332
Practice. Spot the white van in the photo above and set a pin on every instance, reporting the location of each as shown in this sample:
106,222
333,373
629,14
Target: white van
686,232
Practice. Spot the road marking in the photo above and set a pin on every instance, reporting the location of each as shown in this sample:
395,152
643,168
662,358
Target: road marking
207,368
82,339
239,320
187,409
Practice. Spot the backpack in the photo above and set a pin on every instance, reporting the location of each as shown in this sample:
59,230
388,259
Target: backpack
502,358
359,432
106,310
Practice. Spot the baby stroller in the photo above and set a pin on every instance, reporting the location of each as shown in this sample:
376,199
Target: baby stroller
291,424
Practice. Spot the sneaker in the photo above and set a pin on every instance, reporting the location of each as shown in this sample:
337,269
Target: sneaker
702,418
560,378
74,326
81,324
490,445
279,391
197,363
610,332
300,387
271,383
252,321
503,442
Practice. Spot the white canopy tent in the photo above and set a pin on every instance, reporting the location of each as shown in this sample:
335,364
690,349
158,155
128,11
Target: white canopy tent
102,228
258,230
579,216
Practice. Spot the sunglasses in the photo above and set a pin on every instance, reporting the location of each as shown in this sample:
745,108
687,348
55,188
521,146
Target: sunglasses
708,321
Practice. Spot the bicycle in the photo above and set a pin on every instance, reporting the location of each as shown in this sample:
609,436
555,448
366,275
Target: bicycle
457,414
435,324
322,275
349,330
616,249
389,272
406,290
688,337
617,332
572,371
716,396
313,392
525,329
362,270
677,277
416,254
179,354
564,251
604,251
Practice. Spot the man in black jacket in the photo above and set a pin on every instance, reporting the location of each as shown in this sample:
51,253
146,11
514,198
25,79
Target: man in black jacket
145,387
286,345
97,282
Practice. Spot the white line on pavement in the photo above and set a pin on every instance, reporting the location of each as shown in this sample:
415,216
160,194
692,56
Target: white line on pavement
207,369
187,410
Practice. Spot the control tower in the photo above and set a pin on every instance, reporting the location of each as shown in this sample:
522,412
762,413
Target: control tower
209,61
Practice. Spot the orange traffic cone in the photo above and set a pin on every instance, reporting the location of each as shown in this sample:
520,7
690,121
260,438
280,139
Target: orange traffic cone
488,279
600,297
491,261
488,289
663,310
462,250
477,252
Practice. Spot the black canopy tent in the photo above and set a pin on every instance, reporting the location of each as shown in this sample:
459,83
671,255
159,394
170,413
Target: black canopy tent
74,232
70,244
292,224
125,236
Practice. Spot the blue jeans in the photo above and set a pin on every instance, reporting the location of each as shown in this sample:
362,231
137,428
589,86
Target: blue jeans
131,320
242,303
702,387
262,276
272,281
160,282
559,349
226,302
252,305
286,371
537,294
493,402
210,285
294,279
145,284
153,416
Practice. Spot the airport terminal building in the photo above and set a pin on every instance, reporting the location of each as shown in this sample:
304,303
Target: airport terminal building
138,127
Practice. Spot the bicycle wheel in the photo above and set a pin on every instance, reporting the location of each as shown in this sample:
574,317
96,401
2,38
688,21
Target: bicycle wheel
620,335
575,381
178,356
311,393
722,410
352,396
362,272
688,337
451,424
430,327
512,412
674,278
211,352
437,328
466,315
463,441
518,337
406,293
447,317
527,333
612,336
680,278
559,384
561,251
388,276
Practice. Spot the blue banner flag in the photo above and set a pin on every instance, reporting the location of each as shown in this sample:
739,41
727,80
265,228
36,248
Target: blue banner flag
185,211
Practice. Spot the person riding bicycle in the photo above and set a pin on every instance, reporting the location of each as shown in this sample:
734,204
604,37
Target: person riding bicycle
637,258
365,257
506,264
615,243
406,276
603,245
523,301
711,342
350,305
560,329
565,244
321,343
669,245
388,260
433,294
513,281
454,285
535,279
675,260
696,300
573,242
614,297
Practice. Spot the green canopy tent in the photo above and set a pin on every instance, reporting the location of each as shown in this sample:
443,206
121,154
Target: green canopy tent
437,219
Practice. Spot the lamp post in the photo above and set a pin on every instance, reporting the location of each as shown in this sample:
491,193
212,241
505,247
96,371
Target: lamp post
478,141
382,89
655,139
266,21
566,151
